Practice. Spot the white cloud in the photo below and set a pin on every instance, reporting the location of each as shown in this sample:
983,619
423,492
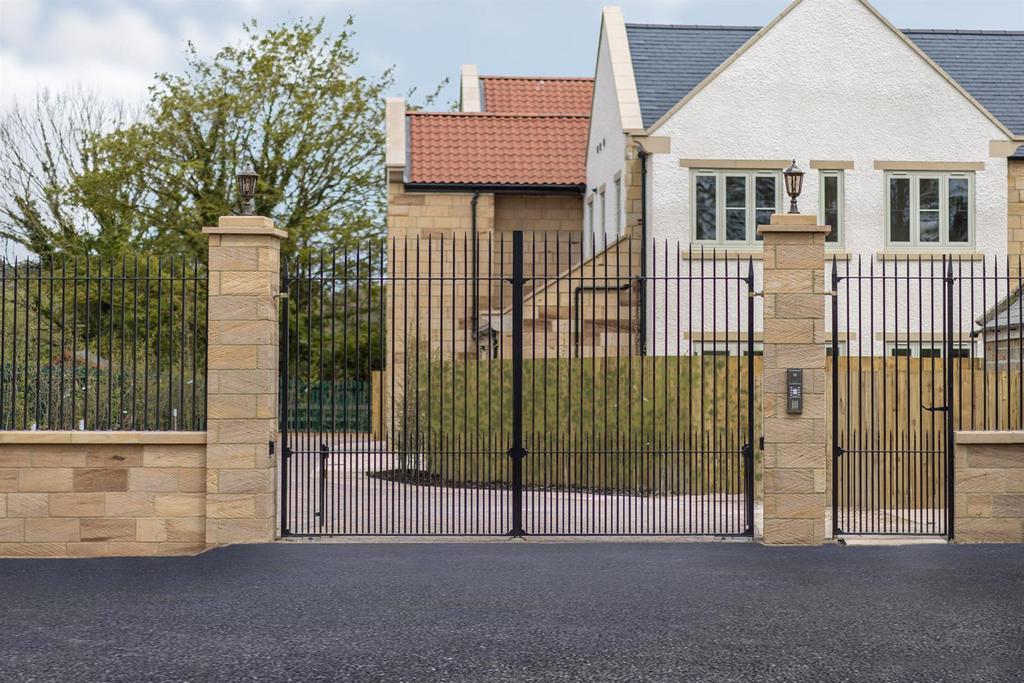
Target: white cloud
208,38
23,79
17,19
113,49
121,35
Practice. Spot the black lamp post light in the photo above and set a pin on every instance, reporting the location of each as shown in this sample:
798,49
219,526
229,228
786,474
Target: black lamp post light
794,184
247,188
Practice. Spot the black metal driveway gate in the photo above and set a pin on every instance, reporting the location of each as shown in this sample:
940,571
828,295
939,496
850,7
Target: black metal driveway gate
920,348
520,386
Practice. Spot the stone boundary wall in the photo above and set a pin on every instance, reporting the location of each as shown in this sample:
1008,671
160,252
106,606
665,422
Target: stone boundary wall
989,487
167,493
93,494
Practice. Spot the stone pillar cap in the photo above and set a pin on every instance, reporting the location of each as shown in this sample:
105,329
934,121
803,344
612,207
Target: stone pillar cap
794,222
246,225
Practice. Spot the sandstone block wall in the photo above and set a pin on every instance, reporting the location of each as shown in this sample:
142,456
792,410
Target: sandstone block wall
429,236
1015,205
242,379
795,458
989,487
84,494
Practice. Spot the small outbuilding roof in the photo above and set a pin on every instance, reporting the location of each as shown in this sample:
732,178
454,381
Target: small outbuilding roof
497,149
536,95
1005,315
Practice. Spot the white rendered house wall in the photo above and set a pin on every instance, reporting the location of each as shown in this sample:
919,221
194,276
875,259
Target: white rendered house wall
605,155
830,81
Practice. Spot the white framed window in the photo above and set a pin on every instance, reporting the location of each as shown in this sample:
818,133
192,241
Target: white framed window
618,204
728,205
926,349
830,205
929,209
722,348
841,346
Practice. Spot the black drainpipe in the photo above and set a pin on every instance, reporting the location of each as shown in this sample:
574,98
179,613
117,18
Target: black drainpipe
643,250
476,265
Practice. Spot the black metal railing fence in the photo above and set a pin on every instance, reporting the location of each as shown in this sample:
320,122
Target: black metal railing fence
922,348
95,343
526,386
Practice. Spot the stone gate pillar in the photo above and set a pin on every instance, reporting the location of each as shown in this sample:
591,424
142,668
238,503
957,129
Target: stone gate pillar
796,462
242,379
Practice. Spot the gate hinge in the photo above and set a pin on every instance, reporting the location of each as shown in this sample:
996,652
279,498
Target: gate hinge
837,451
285,452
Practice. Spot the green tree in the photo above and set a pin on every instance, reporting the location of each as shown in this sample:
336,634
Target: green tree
288,99
79,175
44,147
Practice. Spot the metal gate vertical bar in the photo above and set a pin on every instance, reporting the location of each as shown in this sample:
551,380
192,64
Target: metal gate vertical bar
836,448
748,484
517,452
948,414
283,408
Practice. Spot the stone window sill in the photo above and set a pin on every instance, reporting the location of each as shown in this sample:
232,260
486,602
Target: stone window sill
929,255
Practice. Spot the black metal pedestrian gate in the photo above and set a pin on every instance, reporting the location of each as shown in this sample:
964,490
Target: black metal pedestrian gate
528,385
920,348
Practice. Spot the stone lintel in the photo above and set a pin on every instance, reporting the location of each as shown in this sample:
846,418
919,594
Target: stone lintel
997,437
794,222
101,437
246,225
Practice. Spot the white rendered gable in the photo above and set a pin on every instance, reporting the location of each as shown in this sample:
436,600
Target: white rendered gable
831,81
606,149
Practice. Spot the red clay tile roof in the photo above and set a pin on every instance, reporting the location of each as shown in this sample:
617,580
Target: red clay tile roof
522,95
497,149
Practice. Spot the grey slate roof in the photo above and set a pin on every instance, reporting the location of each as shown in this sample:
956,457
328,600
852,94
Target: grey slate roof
670,60
988,64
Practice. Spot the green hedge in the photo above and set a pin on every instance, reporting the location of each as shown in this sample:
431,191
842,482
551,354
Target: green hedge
651,424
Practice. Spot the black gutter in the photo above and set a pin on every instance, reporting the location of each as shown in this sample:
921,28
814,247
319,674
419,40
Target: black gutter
476,264
495,188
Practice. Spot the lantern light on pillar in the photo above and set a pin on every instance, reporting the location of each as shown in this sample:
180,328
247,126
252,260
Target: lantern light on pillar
247,188
794,184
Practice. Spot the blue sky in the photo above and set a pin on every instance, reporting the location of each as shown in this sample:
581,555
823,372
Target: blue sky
114,46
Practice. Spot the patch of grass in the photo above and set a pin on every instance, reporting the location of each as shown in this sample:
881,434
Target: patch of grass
651,424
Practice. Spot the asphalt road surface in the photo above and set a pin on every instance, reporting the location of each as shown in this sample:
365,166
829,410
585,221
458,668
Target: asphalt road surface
520,611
